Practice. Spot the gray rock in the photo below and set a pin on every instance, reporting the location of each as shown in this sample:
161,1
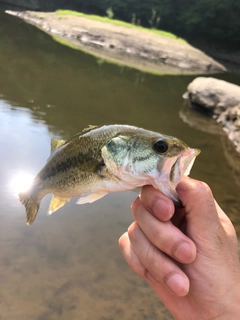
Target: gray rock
145,51
230,120
222,99
213,94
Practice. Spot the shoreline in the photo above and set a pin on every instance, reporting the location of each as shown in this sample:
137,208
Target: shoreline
145,51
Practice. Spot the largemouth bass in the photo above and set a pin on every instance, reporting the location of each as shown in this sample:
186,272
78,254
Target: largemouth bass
107,159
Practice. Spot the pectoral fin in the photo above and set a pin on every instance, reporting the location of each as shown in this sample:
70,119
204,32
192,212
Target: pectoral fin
57,203
91,197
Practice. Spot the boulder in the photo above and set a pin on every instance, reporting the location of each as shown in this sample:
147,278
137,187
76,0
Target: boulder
213,94
221,100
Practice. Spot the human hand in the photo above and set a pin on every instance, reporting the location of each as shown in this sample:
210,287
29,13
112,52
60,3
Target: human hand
188,255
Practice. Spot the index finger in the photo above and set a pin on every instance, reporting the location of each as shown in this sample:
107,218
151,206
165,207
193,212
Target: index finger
158,204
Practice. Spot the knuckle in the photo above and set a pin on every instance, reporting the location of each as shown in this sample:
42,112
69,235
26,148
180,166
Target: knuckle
133,231
136,205
122,241
159,237
152,257
202,187
199,188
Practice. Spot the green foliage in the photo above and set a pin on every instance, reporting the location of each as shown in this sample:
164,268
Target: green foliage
217,21
110,13
213,20
134,19
155,19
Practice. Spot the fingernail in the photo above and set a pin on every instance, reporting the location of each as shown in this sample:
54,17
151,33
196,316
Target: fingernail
178,284
184,252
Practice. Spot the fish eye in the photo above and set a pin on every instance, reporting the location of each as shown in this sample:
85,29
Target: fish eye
160,146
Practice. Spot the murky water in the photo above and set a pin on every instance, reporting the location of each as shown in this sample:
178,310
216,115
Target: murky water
68,266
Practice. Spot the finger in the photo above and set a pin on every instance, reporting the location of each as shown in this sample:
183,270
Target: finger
157,203
202,216
199,204
229,229
130,256
161,269
136,265
164,235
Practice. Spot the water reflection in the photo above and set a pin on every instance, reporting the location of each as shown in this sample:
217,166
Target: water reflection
197,119
21,181
68,266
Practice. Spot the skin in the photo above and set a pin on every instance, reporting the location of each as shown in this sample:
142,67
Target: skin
188,255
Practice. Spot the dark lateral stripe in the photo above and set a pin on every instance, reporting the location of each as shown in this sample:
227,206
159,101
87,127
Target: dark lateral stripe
140,159
69,163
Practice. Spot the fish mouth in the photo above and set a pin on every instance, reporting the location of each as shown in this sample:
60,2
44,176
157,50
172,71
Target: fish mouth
187,159
182,166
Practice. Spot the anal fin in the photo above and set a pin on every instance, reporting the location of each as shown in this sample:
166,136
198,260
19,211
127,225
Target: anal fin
57,203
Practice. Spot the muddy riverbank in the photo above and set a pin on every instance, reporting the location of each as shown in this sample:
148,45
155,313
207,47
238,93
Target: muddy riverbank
136,48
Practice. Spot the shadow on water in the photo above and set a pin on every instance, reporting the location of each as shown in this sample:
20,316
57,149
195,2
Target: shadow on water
68,266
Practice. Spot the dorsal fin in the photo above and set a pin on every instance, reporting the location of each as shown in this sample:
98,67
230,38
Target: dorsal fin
55,143
89,128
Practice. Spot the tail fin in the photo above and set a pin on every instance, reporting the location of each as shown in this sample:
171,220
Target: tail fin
30,205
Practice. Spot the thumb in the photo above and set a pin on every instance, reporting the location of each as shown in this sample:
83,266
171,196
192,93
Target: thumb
206,224
200,210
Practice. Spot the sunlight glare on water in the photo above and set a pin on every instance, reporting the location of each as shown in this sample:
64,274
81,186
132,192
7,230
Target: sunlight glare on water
22,181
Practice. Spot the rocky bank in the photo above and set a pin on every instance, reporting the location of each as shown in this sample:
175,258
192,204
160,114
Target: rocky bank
220,100
136,48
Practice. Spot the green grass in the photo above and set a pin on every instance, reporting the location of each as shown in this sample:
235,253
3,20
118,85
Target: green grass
118,22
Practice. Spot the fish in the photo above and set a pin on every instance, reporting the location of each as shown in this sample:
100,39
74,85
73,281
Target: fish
105,159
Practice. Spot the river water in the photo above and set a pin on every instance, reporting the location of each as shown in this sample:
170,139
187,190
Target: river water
68,265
